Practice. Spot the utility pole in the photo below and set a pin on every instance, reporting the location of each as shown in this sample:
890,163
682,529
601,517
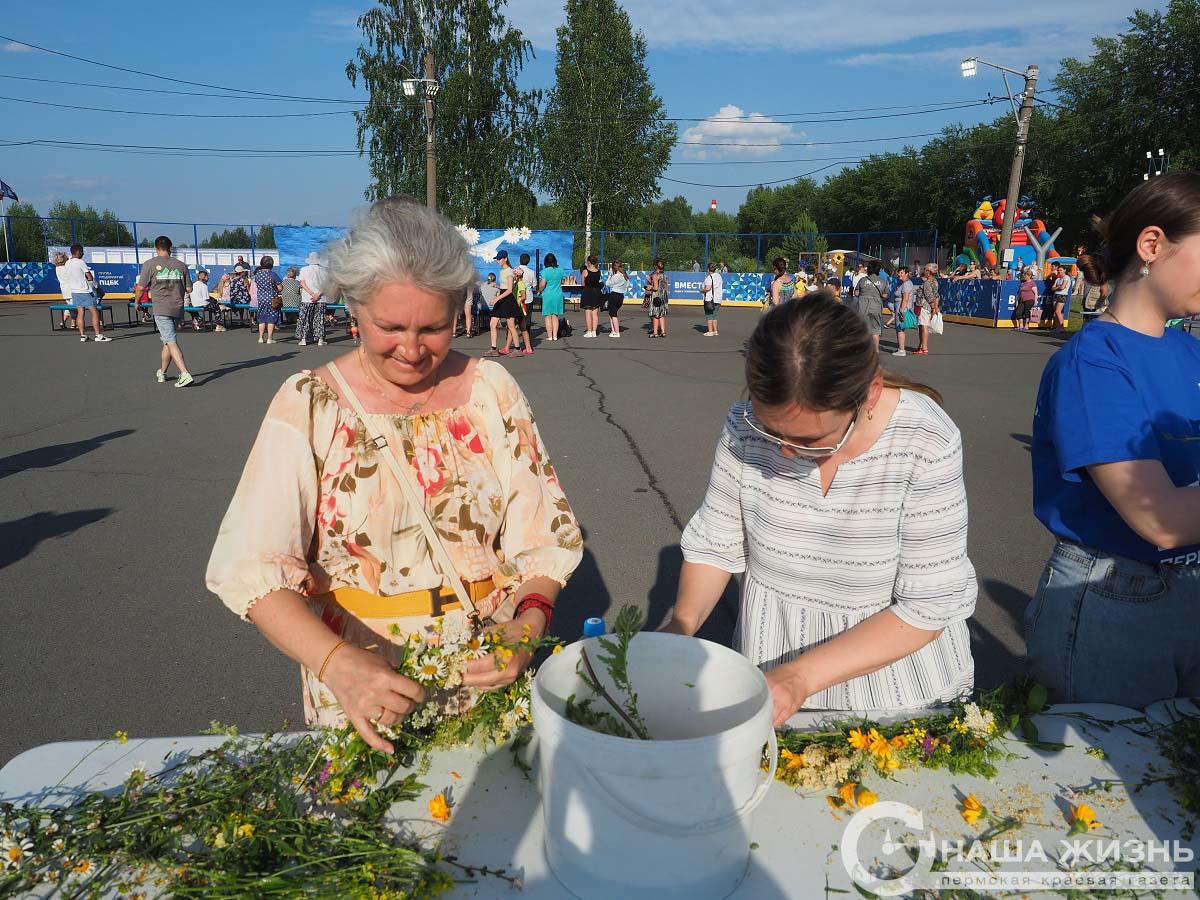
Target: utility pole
430,152
1018,162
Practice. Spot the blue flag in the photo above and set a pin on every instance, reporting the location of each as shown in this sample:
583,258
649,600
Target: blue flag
6,191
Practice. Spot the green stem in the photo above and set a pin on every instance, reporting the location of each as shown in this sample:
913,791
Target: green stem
599,688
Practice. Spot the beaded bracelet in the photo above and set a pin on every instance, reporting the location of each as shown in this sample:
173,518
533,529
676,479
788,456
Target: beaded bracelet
536,601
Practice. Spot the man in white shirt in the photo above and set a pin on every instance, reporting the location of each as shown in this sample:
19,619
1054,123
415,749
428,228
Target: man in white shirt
312,302
713,292
79,284
860,272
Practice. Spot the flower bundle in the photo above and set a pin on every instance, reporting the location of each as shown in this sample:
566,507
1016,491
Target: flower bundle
968,739
288,815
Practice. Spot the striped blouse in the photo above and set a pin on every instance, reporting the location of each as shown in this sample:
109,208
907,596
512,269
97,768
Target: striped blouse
890,534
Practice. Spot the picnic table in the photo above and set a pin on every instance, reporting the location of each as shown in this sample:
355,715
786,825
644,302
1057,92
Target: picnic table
797,850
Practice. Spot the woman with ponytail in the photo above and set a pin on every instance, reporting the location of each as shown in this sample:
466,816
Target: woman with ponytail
1116,464
838,491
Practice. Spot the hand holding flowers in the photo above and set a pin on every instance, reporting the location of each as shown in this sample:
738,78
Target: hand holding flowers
371,693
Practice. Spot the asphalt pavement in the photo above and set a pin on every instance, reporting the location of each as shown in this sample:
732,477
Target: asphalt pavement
112,487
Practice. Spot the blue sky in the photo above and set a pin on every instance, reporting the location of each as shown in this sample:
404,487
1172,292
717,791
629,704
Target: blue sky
711,61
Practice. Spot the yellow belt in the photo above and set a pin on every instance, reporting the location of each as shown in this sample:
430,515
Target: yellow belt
428,602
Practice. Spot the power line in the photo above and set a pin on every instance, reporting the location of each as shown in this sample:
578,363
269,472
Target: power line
174,115
104,65
145,90
759,183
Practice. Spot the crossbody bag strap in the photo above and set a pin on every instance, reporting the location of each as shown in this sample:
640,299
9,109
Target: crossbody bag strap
412,492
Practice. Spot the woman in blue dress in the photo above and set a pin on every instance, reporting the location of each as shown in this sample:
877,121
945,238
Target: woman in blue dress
267,284
550,288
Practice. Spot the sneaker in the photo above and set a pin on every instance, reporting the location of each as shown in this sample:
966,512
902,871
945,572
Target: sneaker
302,343
101,339
83,339
492,352
270,340
589,334
320,343
160,376
899,353
614,334
184,380
710,334
219,328
261,341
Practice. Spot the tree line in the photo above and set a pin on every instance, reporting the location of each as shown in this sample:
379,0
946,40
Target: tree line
597,142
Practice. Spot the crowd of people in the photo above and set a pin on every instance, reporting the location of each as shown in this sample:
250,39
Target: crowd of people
876,626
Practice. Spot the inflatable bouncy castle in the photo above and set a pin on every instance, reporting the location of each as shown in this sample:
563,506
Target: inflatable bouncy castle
983,234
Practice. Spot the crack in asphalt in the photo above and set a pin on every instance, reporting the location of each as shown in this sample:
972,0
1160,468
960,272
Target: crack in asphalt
602,402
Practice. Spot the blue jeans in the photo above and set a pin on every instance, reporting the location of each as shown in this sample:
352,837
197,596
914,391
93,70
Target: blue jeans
1104,628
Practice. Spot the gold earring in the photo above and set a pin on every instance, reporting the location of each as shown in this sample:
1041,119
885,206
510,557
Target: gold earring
870,415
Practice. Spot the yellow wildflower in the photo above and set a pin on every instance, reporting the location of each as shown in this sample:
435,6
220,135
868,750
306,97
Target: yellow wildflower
858,740
890,763
866,797
439,808
792,760
82,867
335,786
1084,819
835,802
878,745
558,648
899,742
121,736
846,792
244,831
219,841
972,809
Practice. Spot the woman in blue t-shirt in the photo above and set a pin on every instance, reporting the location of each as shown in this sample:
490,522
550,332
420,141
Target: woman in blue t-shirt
1116,469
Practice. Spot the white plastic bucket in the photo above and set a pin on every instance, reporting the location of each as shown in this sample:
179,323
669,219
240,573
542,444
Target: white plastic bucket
666,818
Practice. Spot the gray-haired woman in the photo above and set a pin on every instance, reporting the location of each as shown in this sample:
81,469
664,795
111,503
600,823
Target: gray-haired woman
321,548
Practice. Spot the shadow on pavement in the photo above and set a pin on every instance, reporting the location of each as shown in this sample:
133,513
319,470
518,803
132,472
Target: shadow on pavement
585,595
230,368
56,454
19,537
992,658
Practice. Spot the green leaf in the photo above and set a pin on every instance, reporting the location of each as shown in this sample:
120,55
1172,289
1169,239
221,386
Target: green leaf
1036,701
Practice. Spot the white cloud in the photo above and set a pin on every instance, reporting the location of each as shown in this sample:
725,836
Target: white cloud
336,24
14,47
756,25
741,134
73,182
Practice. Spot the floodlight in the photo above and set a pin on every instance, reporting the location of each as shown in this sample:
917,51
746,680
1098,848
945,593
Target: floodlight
969,68
409,85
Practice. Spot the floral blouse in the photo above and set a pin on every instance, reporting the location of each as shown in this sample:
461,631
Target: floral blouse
316,509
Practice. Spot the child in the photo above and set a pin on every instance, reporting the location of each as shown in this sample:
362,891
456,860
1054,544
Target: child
521,323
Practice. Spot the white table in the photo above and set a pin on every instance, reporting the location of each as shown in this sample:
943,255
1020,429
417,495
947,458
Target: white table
496,819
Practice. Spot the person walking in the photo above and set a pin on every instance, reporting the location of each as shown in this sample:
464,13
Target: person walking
312,302
1027,295
1062,295
902,308
928,305
837,493
713,292
505,308
695,265
59,261
488,291
1116,452
656,287
267,284
783,285
81,283
591,297
168,283
615,289
520,323
550,287
871,289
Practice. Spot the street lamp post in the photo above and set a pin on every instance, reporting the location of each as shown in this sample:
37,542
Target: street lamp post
427,87
1154,166
970,68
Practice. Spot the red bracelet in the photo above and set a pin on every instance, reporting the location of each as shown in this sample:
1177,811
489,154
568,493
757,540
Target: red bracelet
536,601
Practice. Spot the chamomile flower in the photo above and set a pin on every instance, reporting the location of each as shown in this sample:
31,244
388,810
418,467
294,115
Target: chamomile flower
431,668
13,851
